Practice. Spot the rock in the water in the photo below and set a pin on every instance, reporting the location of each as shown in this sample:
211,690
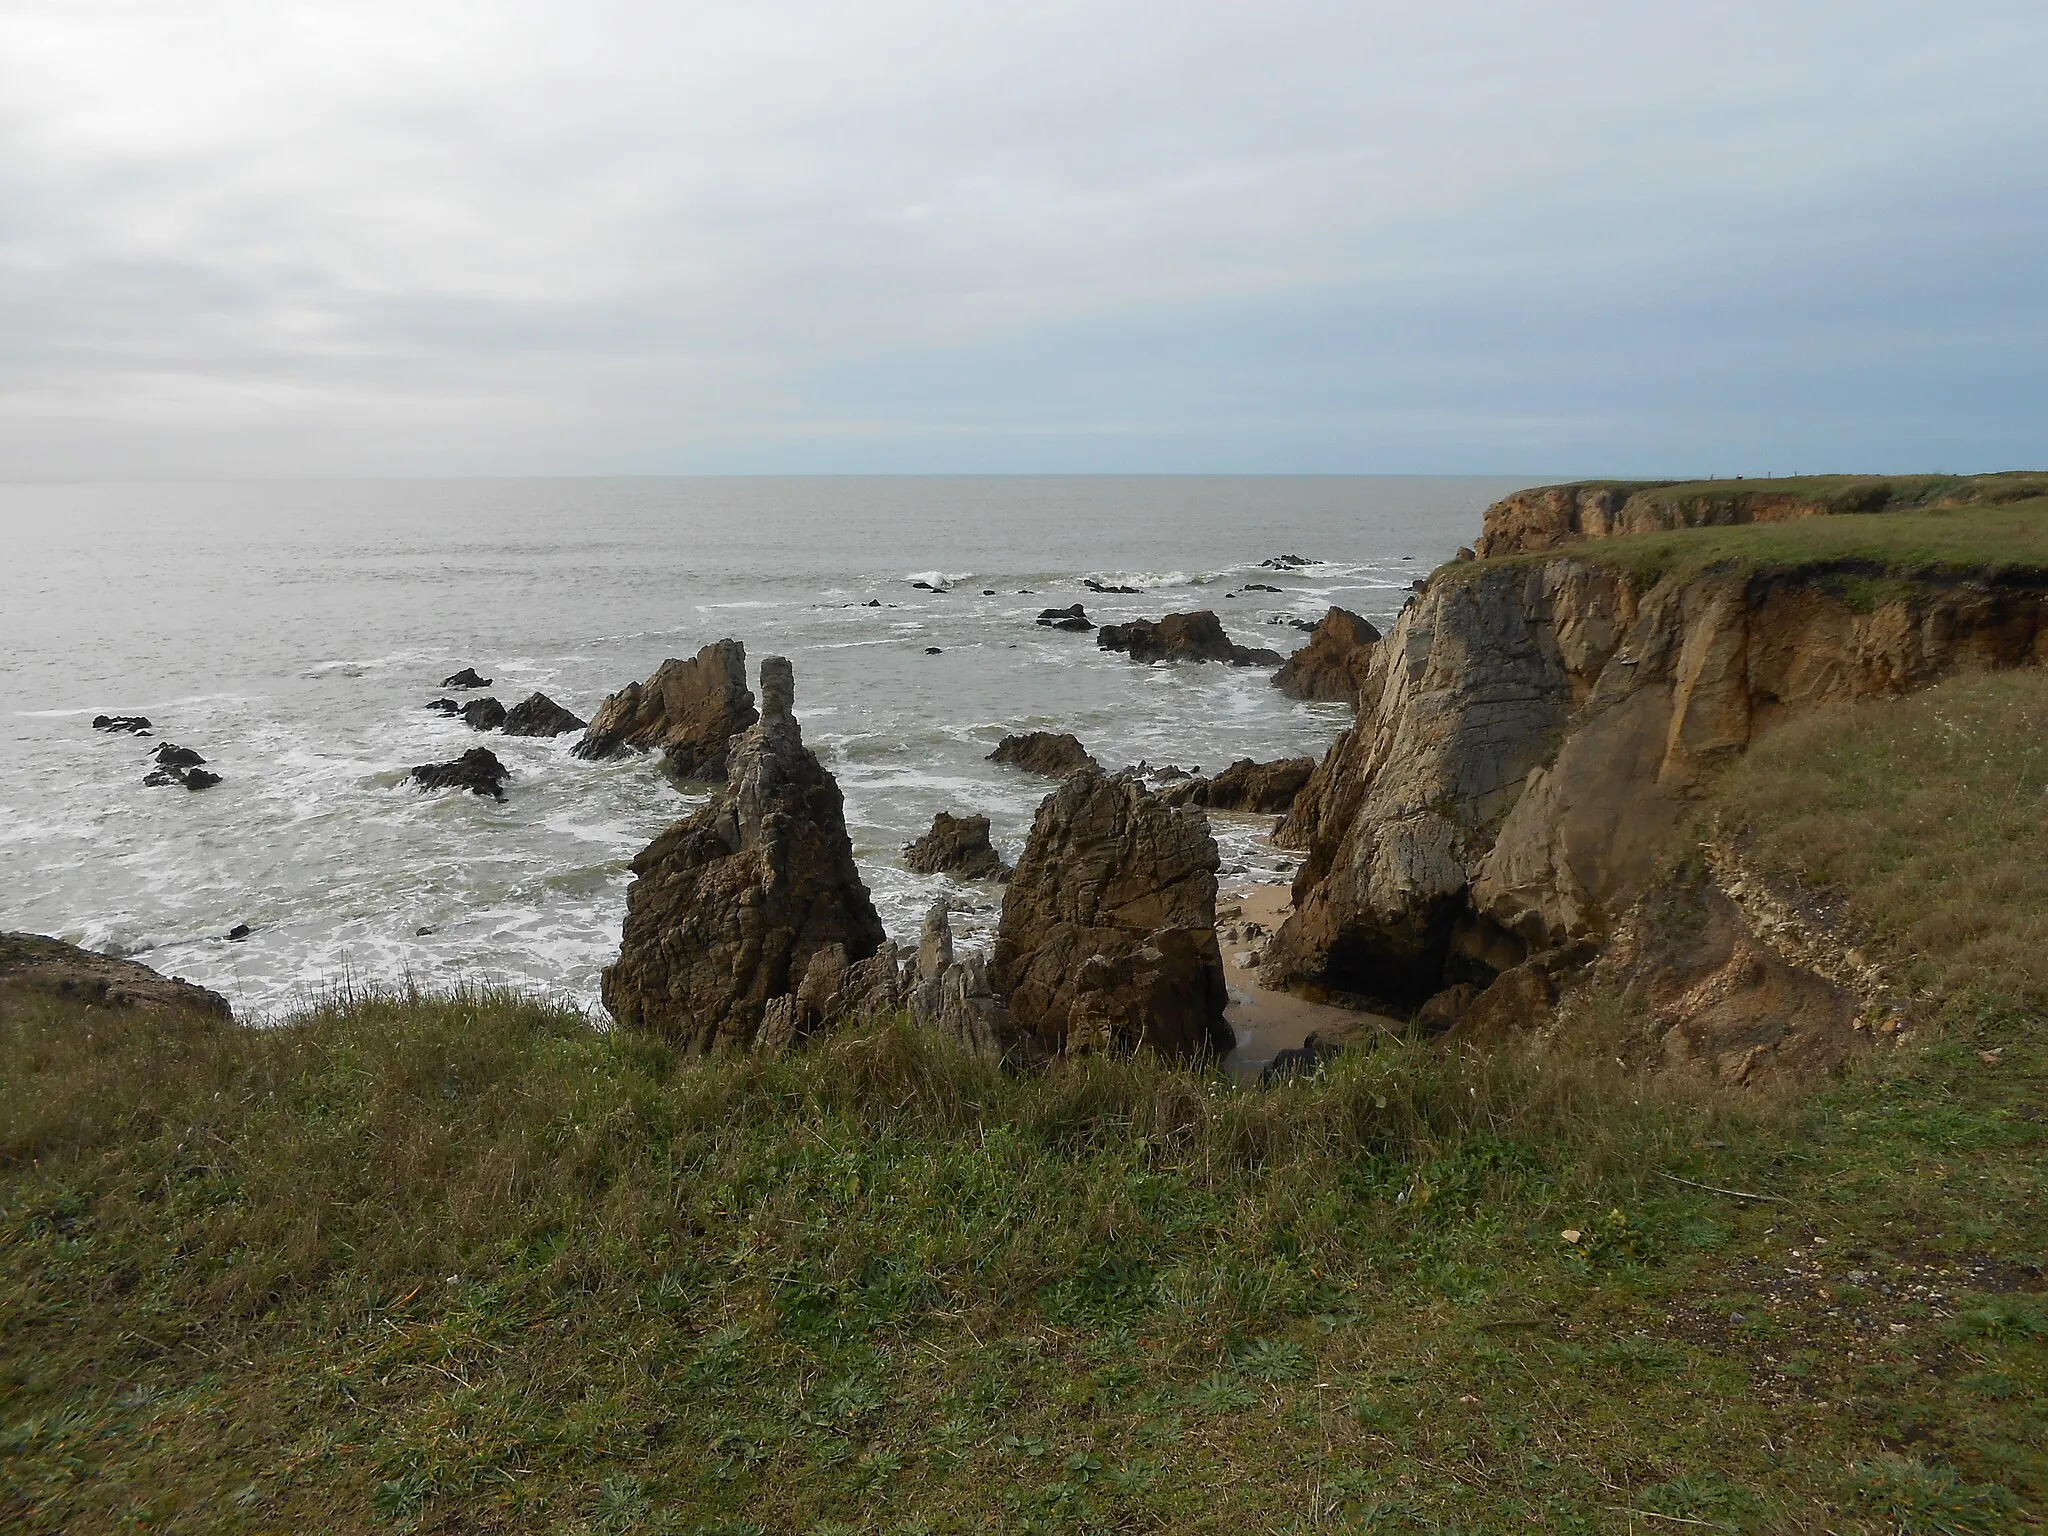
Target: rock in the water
200,778
1333,666
1099,586
1182,637
31,964
1257,586
1053,754
466,678
730,908
1108,932
1074,618
483,714
477,770
956,845
134,724
540,716
192,777
239,932
690,710
168,755
1286,563
444,706
1264,788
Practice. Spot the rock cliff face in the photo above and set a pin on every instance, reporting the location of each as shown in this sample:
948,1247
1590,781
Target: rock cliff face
1108,932
690,710
748,917
1333,666
1532,734
1551,517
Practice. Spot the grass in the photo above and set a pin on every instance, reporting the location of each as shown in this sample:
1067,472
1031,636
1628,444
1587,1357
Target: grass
1988,538
467,1264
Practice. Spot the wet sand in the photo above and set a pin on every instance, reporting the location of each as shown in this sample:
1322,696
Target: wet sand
1248,910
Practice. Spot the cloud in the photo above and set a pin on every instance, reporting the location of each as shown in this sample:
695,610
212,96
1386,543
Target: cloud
288,238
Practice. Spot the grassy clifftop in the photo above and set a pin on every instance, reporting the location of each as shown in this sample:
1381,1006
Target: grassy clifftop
468,1264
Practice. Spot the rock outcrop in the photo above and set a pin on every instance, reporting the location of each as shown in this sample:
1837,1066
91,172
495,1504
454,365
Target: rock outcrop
1074,618
691,711
1332,668
1182,637
540,715
34,966
466,678
1054,755
955,997
477,770
1108,932
484,714
134,725
1262,788
958,846
731,909
1530,733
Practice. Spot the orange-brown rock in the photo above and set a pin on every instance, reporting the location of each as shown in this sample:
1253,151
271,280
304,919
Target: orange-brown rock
1535,730
691,711
34,966
731,908
1333,666
1108,932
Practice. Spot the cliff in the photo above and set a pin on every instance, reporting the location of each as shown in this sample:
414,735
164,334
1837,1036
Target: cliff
1533,732
1551,517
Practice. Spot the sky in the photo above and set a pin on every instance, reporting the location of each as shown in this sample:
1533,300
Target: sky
1576,237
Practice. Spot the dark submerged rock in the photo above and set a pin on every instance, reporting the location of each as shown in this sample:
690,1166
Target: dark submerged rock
133,724
169,755
1054,755
477,770
444,706
1097,586
483,714
1182,637
956,845
1074,618
540,715
466,678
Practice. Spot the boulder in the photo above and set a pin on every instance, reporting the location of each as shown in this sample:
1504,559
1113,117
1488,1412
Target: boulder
1108,932
540,716
136,725
1054,755
1074,618
690,710
477,770
1264,788
1333,666
731,907
444,706
466,678
32,965
169,755
483,714
1182,637
959,846
189,776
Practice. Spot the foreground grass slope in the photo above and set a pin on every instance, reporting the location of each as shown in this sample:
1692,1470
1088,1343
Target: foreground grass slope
467,1264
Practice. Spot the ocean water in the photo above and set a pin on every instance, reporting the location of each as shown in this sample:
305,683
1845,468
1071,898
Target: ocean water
292,632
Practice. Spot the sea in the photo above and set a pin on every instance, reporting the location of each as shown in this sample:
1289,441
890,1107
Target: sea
293,633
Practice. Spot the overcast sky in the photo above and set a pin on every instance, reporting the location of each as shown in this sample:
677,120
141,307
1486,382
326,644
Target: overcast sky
270,237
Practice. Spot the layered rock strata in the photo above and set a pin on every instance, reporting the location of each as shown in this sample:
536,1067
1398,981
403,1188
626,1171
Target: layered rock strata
1108,931
1531,733
1182,637
732,909
1333,666
691,711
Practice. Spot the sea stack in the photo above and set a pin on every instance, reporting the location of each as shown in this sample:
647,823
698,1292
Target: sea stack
730,908
691,710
